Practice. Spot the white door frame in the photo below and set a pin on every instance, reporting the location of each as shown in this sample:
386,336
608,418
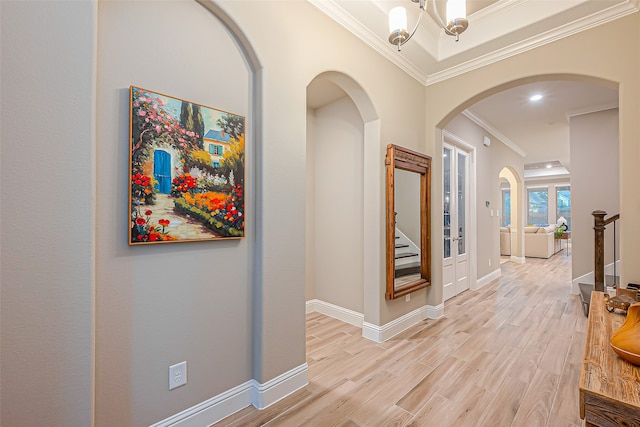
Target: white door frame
451,139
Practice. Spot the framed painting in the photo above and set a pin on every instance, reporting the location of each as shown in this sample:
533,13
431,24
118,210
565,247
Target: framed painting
186,171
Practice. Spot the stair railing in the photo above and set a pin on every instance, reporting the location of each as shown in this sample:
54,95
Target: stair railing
599,225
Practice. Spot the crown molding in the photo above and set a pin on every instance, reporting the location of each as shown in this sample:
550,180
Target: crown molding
497,7
506,141
338,14
588,110
559,176
343,18
610,14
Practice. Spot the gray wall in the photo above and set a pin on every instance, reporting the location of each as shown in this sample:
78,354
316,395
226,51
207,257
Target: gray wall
336,148
595,164
160,305
47,229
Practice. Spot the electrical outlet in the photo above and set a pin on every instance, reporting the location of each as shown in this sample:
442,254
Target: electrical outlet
489,262
177,375
408,297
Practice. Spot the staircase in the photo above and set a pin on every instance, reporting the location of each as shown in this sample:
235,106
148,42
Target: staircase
407,256
602,281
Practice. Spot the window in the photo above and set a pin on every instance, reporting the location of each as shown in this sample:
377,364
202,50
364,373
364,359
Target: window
538,206
506,208
446,164
563,198
215,164
216,150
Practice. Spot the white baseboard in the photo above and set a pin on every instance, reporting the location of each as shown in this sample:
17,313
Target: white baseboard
590,277
435,311
518,259
231,401
382,333
586,278
265,395
212,410
495,274
344,314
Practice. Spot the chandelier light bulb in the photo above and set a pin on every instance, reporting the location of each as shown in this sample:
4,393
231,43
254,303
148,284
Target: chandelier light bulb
456,9
397,19
456,24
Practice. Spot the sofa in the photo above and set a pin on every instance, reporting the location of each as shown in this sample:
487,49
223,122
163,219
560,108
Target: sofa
505,241
540,242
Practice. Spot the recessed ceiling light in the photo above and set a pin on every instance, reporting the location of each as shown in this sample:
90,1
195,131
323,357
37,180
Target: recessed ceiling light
536,97
549,166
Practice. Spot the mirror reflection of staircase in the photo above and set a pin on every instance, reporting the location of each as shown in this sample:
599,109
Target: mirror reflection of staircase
407,256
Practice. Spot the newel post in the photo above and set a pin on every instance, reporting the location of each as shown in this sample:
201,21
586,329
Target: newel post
599,226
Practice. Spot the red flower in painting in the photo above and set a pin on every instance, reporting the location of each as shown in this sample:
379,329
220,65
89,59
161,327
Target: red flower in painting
148,212
140,221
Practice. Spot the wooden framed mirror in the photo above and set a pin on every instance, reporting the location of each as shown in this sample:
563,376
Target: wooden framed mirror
408,205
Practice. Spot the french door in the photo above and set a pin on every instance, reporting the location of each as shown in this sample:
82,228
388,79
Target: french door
455,169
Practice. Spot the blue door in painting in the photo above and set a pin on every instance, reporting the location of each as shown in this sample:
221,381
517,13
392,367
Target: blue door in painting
162,171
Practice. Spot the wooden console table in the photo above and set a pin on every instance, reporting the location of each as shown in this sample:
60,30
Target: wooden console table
609,385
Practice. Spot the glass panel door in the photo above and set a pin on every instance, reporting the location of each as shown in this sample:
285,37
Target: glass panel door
446,160
462,205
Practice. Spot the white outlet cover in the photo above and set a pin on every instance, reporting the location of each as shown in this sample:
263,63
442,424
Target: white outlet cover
177,375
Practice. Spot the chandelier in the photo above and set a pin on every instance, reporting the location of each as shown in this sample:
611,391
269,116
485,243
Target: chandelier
456,20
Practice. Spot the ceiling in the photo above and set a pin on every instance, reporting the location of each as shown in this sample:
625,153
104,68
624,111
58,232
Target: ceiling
497,29
540,129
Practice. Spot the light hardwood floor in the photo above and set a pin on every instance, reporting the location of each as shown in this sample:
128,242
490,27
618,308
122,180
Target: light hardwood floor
506,355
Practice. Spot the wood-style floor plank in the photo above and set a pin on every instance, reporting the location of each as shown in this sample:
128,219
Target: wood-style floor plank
508,354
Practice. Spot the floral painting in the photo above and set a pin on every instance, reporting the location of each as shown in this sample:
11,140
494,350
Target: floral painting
187,171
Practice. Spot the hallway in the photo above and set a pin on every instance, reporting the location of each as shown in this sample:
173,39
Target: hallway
506,355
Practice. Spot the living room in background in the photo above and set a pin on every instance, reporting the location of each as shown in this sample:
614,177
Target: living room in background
538,206
563,204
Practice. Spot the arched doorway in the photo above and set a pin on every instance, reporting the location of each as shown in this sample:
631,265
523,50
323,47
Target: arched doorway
588,115
511,196
342,137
